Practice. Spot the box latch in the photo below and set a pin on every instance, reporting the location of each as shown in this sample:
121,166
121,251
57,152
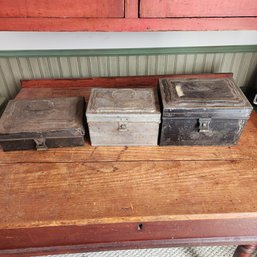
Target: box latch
123,126
204,124
40,144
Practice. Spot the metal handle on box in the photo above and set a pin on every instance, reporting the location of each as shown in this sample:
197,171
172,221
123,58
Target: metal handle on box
204,124
123,127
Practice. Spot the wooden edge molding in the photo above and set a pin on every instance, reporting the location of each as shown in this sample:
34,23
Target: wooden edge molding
131,51
127,24
39,251
46,240
147,81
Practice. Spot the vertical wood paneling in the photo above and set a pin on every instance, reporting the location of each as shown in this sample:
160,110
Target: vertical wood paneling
132,67
112,66
13,69
180,64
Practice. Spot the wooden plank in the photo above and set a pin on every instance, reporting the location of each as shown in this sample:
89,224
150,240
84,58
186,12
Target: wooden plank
63,239
196,8
116,24
62,8
131,81
142,191
131,8
203,206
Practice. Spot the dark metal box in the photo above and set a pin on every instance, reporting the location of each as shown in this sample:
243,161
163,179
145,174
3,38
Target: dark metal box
202,111
43,123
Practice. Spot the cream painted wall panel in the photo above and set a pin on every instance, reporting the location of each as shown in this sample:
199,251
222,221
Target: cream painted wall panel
170,64
151,64
9,77
84,67
13,69
33,66
131,64
217,63
161,64
112,66
244,69
73,67
122,62
251,73
237,67
93,64
141,65
5,86
208,63
189,63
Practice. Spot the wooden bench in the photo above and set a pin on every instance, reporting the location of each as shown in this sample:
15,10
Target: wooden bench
100,198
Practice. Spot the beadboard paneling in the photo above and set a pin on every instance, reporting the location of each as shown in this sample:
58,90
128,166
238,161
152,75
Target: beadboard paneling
14,69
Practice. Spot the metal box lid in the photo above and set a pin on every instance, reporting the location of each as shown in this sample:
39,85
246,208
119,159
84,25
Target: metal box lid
55,117
134,104
220,98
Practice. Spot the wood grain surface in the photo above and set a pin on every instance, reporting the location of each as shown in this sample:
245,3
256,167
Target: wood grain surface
62,8
196,8
128,24
85,193
92,198
131,81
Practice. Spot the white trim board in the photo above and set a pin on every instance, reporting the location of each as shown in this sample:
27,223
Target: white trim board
119,40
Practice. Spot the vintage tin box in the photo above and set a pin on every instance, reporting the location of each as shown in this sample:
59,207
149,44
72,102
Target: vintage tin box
202,111
41,124
123,116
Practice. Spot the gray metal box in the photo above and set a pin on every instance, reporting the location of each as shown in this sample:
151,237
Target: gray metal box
123,116
202,111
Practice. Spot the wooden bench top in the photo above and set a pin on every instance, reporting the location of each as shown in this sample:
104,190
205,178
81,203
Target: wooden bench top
93,198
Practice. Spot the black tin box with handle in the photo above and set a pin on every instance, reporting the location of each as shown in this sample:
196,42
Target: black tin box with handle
202,111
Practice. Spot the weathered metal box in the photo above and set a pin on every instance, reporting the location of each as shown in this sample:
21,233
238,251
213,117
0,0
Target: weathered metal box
123,116
202,111
43,123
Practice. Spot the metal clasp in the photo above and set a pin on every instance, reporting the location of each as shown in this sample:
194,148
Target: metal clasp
41,144
123,126
204,124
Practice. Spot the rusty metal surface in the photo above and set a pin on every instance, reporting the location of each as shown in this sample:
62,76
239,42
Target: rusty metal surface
202,112
120,100
53,122
202,94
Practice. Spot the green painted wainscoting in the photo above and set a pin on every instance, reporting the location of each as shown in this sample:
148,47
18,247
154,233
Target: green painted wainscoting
18,65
